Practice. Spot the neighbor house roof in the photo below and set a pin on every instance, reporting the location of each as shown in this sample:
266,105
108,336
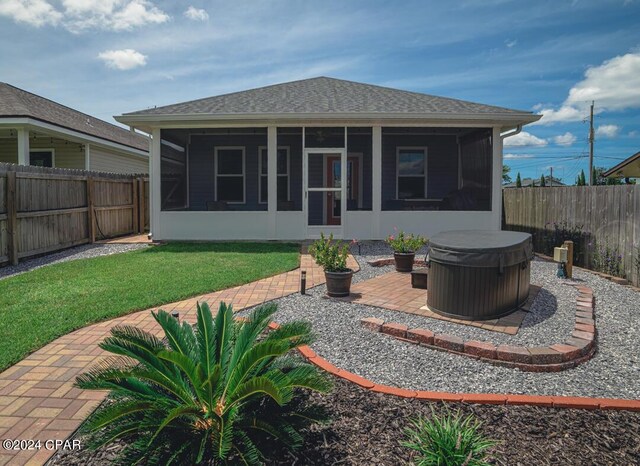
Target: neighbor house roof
628,168
324,96
18,103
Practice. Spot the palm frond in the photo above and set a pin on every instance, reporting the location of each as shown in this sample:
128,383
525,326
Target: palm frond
180,337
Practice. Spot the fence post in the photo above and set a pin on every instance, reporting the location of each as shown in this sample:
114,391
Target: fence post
12,216
136,205
142,220
91,220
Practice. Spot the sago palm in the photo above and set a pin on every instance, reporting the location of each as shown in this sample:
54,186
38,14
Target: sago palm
208,394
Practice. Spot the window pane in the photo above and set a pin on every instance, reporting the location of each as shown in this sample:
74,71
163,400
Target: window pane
411,163
41,159
411,187
282,162
283,185
230,162
230,188
264,189
265,161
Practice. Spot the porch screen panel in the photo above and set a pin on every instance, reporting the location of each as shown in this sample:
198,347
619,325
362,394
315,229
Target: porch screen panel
359,173
476,166
173,171
291,139
318,137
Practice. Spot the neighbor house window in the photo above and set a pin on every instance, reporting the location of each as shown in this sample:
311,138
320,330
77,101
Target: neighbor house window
283,175
411,173
41,158
230,174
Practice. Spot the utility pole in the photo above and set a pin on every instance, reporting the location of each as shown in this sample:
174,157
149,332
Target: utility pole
591,137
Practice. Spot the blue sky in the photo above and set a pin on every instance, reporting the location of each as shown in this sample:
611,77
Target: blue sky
107,57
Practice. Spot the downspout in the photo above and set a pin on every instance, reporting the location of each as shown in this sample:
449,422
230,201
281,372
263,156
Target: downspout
512,133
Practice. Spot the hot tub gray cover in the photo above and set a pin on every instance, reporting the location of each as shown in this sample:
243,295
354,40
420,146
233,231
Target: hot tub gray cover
480,248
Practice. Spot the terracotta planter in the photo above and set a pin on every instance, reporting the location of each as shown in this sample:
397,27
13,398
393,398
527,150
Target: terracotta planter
338,283
404,261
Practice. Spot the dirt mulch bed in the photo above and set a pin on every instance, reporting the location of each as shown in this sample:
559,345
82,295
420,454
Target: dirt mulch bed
366,429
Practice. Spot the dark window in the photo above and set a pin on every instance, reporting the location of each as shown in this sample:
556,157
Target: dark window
230,175
283,174
412,173
41,158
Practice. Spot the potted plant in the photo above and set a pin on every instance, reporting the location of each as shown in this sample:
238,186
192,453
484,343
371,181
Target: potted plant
404,249
332,257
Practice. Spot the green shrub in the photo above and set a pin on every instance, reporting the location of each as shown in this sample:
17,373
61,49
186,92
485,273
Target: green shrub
447,440
403,243
329,254
205,394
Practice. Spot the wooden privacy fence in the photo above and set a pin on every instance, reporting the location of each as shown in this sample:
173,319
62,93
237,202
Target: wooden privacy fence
606,215
44,209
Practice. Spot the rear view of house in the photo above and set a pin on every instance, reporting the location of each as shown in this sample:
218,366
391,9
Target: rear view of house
38,131
324,155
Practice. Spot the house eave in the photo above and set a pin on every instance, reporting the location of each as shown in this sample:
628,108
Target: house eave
147,122
40,125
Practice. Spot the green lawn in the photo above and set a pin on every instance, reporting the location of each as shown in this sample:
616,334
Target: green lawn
39,306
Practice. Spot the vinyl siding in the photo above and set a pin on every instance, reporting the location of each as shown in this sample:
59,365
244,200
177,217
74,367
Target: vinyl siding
9,150
104,160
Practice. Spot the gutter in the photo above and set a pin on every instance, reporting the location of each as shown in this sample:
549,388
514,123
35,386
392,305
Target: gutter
512,133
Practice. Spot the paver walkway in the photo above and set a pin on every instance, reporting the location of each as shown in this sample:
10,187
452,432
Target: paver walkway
37,397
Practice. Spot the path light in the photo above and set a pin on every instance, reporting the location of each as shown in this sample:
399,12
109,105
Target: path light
303,282
175,314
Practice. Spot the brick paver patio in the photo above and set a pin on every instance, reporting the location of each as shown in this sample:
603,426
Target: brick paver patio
393,291
37,397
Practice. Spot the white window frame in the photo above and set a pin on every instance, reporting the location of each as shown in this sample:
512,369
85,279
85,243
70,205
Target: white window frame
42,149
424,175
244,172
260,175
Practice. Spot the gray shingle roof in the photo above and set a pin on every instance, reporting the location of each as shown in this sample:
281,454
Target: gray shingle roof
327,95
15,102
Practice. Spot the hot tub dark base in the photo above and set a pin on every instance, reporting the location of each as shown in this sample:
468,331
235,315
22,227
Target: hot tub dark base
477,293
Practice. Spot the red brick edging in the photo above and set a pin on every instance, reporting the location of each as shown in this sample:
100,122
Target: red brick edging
580,347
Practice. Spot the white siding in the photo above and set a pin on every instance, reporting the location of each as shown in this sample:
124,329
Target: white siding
67,154
105,160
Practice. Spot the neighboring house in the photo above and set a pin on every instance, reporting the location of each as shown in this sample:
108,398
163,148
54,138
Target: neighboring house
292,160
528,182
38,131
629,168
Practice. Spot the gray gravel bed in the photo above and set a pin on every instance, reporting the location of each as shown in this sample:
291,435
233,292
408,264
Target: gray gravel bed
613,372
79,252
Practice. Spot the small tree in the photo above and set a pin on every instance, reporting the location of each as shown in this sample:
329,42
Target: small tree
518,181
542,181
506,178
581,180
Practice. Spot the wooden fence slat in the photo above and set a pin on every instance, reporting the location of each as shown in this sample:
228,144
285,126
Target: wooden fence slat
608,215
12,220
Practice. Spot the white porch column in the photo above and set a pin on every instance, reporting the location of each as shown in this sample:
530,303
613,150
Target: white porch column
23,146
376,180
272,178
496,188
155,198
87,157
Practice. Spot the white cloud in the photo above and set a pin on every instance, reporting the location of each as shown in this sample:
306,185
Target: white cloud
614,85
608,131
196,14
123,59
116,15
565,139
517,156
33,12
633,133
510,43
82,15
524,139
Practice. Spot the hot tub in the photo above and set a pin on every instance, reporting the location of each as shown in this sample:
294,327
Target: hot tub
478,275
